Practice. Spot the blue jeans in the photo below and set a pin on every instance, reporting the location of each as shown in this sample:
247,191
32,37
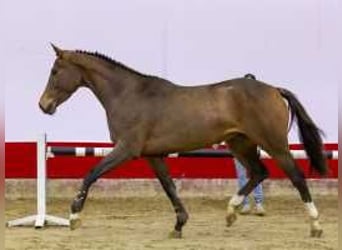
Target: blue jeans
242,180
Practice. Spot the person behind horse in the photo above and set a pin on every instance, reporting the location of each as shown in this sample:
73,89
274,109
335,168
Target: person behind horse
257,192
241,175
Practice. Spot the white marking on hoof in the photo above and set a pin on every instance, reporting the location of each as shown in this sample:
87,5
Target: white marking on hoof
74,216
312,210
316,229
75,221
236,200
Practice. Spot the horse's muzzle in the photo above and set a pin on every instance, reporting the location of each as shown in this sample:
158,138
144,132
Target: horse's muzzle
50,108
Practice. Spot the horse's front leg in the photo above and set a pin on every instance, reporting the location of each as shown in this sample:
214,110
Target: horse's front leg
169,187
111,161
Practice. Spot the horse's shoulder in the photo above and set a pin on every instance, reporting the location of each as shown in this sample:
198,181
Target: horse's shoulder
153,86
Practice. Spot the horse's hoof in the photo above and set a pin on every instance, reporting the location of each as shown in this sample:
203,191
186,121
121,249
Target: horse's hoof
316,233
230,219
175,234
75,221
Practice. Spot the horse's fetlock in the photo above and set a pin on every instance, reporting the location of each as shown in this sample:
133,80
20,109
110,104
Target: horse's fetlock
77,204
182,217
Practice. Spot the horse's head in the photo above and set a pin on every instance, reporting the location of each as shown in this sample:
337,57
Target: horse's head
64,79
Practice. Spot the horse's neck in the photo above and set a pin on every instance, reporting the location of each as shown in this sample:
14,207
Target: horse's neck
111,83
108,82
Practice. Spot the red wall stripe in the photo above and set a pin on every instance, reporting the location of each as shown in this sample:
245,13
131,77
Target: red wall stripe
20,162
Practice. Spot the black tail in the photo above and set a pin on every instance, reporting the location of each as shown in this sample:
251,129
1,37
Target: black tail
310,134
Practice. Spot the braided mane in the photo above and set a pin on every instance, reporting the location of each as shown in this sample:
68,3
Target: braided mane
111,61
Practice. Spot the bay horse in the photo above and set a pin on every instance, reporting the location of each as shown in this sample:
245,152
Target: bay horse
151,117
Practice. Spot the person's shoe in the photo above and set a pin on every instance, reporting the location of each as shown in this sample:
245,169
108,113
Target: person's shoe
259,210
246,209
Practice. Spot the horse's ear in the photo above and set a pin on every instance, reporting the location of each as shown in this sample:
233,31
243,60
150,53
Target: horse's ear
57,50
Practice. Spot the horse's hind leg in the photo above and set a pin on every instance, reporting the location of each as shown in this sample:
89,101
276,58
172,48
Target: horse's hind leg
161,171
246,152
287,163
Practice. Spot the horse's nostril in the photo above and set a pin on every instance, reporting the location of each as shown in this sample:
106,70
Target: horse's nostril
48,109
42,107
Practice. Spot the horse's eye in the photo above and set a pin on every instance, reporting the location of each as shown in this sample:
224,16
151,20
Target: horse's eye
54,71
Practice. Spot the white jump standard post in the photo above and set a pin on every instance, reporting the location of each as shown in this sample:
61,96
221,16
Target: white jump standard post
41,218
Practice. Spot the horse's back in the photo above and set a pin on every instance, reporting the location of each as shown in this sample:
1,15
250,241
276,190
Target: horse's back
213,113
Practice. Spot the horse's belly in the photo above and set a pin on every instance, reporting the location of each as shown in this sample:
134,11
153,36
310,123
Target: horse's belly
183,142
